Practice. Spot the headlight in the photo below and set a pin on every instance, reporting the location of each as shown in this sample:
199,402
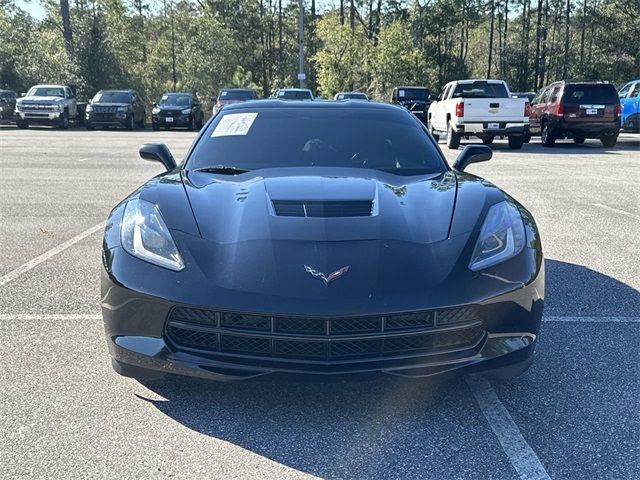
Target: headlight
145,235
59,107
186,111
502,236
155,111
18,107
89,108
122,109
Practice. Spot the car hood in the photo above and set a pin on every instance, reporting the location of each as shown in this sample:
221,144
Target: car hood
109,104
245,207
27,100
420,234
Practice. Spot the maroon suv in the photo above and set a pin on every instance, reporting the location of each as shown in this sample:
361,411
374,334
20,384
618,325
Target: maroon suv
577,110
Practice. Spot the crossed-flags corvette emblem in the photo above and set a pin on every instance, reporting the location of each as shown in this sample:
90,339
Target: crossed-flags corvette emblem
326,279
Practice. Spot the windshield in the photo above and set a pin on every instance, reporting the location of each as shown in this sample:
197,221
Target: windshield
112,97
421,94
237,95
480,90
46,92
306,137
598,93
175,99
295,95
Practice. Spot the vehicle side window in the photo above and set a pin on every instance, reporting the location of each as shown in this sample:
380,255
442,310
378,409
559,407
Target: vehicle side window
553,97
625,90
635,92
536,99
67,92
445,92
544,98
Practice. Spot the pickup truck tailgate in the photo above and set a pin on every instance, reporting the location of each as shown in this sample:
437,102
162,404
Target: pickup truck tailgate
494,109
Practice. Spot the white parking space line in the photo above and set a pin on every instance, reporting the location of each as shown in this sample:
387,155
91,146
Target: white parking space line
593,319
616,210
13,274
520,454
8,317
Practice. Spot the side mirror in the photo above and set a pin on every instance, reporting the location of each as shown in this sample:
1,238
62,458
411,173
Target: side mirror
196,105
23,94
472,154
158,152
154,104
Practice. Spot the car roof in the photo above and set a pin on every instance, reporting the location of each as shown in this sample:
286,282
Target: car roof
7,91
48,85
238,88
409,86
282,104
177,93
117,90
294,89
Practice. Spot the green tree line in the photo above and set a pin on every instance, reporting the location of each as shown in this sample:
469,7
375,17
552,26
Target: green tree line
367,45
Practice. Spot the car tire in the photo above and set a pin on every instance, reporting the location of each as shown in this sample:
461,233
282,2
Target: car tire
89,126
527,137
141,122
200,123
453,138
131,122
578,140
547,136
488,140
515,142
133,371
155,127
22,125
64,121
192,124
609,141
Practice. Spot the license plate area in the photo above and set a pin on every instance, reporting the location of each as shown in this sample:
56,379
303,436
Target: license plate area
592,111
493,126
169,119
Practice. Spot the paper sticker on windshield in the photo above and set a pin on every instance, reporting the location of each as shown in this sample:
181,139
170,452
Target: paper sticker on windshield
164,97
223,94
400,93
234,124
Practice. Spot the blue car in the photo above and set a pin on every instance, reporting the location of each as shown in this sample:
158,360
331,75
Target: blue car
630,101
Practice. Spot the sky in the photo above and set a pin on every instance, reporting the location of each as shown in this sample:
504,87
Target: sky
33,7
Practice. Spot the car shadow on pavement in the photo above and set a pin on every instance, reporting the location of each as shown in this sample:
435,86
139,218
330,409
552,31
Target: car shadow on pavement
383,428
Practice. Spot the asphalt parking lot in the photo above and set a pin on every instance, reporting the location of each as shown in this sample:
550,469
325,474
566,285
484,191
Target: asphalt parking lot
65,414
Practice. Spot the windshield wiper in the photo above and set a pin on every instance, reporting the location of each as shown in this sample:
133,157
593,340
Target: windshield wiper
223,170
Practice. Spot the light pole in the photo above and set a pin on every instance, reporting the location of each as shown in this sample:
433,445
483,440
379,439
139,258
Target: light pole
301,75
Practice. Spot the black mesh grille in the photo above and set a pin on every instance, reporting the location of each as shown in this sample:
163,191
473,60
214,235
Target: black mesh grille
194,315
308,338
193,338
308,326
457,315
409,321
333,208
356,325
170,113
249,345
297,348
243,321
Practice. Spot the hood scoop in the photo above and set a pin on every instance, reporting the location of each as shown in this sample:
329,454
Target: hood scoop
323,208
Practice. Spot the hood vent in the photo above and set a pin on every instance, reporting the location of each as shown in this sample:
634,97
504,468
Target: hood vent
323,209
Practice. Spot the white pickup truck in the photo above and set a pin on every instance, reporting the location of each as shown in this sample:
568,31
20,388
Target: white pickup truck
481,108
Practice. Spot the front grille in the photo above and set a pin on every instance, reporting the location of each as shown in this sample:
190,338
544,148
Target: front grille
169,113
323,209
104,117
324,339
39,106
100,109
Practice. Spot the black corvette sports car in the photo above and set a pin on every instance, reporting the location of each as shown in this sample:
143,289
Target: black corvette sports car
322,239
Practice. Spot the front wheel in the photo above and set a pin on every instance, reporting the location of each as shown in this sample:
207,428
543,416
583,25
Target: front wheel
22,125
200,123
547,136
515,142
527,137
155,127
453,138
64,121
578,140
192,124
130,122
89,126
488,140
609,141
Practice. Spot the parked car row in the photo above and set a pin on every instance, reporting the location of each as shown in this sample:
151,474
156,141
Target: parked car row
482,108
